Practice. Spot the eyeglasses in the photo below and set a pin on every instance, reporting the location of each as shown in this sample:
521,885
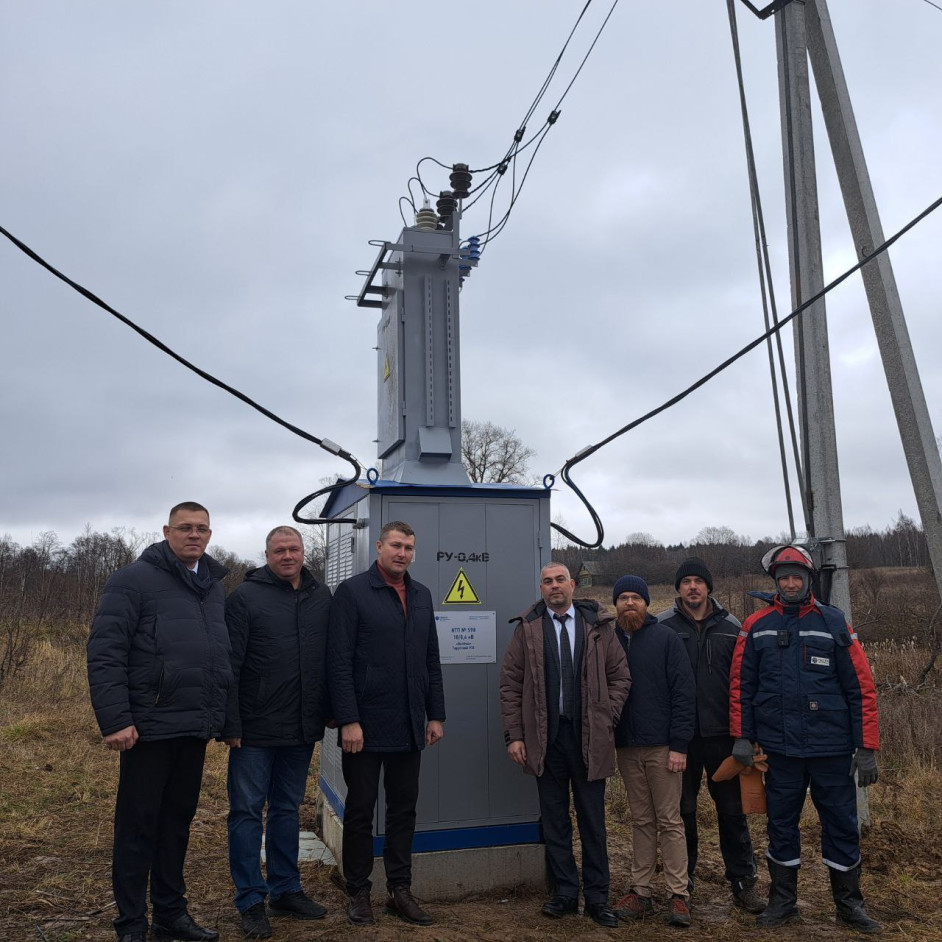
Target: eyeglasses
201,528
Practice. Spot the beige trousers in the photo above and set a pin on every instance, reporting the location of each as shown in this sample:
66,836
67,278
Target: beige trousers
654,802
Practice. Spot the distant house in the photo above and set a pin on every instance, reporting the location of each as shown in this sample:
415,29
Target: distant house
592,573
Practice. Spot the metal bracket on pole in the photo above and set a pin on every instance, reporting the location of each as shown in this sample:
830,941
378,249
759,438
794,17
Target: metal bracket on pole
766,12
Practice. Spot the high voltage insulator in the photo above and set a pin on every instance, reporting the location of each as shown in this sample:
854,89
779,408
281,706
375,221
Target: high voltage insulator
460,179
446,204
426,217
470,255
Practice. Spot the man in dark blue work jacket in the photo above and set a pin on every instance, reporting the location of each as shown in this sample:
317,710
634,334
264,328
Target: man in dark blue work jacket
388,700
801,688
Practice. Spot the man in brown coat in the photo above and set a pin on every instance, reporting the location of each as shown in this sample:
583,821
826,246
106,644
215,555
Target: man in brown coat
563,682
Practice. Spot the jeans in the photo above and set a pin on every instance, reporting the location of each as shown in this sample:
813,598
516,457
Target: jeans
276,775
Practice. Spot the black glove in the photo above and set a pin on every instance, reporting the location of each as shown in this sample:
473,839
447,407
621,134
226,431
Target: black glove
864,764
743,752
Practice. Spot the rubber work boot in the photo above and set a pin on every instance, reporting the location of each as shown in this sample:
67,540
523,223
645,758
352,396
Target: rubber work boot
783,896
845,888
746,897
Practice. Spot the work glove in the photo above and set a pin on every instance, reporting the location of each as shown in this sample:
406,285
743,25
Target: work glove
743,752
864,764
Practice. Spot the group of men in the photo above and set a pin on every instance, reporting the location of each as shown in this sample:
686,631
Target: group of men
173,663
672,697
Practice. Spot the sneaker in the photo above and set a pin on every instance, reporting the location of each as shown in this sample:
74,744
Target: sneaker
634,906
255,922
298,904
678,915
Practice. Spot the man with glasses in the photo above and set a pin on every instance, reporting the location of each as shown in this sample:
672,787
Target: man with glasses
159,673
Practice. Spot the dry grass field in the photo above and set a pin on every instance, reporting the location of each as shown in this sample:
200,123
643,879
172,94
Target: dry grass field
57,786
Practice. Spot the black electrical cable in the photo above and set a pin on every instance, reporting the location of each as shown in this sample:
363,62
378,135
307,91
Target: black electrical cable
585,58
931,4
590,450
324,443
766,286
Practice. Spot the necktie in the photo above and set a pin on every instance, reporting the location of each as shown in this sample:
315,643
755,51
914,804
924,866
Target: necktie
565,668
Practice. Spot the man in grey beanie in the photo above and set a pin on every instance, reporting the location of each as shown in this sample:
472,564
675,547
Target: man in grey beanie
709,634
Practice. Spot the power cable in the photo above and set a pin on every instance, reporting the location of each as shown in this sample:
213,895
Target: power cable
324,443
590,450
766,286
931,4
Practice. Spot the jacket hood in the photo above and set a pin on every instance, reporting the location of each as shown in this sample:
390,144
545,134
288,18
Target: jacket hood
773,599
161,556
265,575
592,613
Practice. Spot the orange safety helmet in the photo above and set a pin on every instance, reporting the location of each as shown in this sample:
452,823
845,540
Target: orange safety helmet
791,555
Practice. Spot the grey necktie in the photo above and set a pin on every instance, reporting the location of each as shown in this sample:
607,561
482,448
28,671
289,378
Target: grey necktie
565,668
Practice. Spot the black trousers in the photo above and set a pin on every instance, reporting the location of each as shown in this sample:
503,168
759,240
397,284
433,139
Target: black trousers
158,790
706,754
562,770
401,784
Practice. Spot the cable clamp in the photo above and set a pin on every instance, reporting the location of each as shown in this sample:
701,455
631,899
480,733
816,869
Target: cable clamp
518,136
553,115
330,446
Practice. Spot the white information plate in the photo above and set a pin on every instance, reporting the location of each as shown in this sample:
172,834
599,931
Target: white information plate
467,637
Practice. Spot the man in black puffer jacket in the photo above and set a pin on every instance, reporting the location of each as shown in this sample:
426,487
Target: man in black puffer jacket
158,673
277,709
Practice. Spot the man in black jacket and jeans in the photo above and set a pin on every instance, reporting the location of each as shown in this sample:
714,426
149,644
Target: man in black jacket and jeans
388,700
277,624
709,634
158,673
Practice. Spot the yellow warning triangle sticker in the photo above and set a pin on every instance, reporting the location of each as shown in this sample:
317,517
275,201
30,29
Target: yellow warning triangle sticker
461,592
386,369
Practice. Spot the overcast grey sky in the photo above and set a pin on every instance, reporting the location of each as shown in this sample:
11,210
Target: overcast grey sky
214,171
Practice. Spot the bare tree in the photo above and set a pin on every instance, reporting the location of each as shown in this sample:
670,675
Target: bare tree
493,454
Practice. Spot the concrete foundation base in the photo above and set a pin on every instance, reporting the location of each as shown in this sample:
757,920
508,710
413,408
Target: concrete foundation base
451,874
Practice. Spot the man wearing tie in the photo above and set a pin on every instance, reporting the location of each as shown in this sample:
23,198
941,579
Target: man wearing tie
563,682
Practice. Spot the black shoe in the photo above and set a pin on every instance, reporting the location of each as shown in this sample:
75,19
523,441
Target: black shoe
360,909
783,897
182,929
255,922
297,904
400,902
560,906
136,936
603,914
845,888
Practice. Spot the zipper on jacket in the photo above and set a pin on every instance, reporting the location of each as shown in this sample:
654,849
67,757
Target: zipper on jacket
598,675
160,683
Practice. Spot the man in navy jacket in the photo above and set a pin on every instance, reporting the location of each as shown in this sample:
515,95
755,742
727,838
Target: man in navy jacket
651,745
277,709
388,700
158,673
801,688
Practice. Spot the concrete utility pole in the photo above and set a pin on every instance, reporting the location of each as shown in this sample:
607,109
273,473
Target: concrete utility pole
803,29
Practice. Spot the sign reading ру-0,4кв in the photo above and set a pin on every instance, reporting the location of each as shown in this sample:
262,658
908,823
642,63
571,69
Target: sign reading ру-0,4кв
467,637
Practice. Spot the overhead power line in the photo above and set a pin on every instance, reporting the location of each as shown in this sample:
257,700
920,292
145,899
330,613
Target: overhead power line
324,443
590,450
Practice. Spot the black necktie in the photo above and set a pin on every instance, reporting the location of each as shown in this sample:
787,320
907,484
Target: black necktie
565,668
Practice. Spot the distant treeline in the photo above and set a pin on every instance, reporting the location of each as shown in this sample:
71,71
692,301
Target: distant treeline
49,583
728,554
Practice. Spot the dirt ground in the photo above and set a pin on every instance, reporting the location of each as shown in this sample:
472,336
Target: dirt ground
54,881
